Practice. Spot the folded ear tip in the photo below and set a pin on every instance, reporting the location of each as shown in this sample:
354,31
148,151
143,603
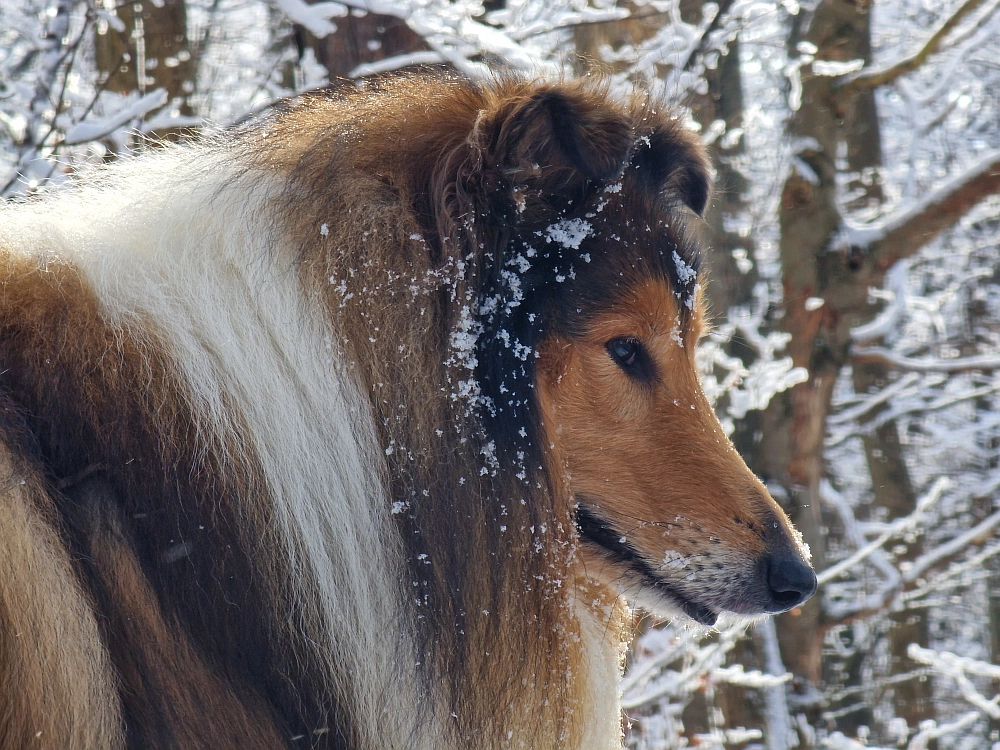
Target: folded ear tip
698,189
570,126
603,150
673,161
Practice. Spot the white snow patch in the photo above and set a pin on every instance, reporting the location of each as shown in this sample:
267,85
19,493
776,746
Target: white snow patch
675,560
93,130
814,303
836,67
569,232
685,274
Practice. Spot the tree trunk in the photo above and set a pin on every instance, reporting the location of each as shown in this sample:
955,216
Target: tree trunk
891,487
824,295
361,39
152,52
893,491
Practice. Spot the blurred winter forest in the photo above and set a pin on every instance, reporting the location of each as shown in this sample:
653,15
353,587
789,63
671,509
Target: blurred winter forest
855,285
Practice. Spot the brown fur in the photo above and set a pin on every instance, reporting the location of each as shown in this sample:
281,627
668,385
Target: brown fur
172,581
420,217
57,686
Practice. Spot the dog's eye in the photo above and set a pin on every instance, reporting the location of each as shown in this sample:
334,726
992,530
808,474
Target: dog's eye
625,352
632,357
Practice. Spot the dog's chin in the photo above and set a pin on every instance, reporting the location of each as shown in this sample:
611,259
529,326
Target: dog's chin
644,590
658,600
623,567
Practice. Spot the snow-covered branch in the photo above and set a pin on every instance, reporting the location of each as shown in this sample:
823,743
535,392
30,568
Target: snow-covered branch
94,130
422,57
699,662
899,361
901,234
976,535
883,74
930,730
53,47
895,281
315,17
896,528
957,668
860,410
922,739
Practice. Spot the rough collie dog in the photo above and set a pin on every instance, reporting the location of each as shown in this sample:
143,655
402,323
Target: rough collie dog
350,428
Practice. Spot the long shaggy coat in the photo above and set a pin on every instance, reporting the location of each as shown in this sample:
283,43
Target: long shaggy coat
350,427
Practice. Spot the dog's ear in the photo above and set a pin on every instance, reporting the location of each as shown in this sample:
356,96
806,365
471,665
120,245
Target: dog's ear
673,163
555,139
520,159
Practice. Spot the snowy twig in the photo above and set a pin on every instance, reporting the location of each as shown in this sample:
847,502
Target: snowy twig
84,132
896,528
896,281
52,59
422,57
54,51
736,675
973,565
978,532
315,18
640,674
953,662
937,405
706,659
930,731
956,667
871,551
923,738
858,411
609,15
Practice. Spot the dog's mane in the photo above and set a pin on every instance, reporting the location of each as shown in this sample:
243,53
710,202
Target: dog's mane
413,206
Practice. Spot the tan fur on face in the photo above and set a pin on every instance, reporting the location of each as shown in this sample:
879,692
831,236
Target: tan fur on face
652,458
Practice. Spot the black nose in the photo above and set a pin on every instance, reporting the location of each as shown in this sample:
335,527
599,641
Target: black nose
791,581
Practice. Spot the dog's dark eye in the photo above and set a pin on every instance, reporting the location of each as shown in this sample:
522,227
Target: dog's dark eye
625,352
632,357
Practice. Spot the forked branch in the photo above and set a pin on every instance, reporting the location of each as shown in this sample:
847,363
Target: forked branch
883,74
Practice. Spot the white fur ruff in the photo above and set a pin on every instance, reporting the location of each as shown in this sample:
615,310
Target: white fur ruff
185,245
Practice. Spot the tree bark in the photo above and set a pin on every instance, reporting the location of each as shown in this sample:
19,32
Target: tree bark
153,51
361,39
793,426
892,491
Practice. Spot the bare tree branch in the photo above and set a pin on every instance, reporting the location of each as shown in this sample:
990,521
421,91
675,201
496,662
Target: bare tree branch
904,233
978,534
888,357
881,75
54,50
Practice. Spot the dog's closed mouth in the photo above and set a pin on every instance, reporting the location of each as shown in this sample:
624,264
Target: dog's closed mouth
601,533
